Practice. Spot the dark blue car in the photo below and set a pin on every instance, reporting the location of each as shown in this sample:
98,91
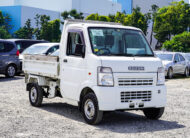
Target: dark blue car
9,55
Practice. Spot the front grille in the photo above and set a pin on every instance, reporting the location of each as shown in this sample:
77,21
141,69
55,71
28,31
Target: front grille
134,82
136,95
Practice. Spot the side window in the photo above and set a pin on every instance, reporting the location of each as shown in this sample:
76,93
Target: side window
75,46
2,47
181,58
52,49
22,45
6,47
176,58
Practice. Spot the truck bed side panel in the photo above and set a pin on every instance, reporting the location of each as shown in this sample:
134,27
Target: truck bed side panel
41,65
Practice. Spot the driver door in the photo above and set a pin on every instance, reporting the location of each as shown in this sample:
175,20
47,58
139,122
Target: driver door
74,65
176,67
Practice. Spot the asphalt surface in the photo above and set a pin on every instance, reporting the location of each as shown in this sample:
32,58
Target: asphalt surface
56,119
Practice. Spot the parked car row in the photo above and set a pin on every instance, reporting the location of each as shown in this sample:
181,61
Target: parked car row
175,63
12,50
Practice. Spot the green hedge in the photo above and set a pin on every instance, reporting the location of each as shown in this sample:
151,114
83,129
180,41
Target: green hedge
179,43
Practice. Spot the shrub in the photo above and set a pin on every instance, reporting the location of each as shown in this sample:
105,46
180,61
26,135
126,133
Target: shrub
179,43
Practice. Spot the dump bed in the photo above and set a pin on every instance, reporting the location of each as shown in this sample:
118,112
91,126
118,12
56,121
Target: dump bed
42,65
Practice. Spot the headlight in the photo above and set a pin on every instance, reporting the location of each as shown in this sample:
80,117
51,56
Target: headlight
105,76
161,76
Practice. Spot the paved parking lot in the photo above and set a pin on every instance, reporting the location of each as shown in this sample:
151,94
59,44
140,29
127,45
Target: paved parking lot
56,119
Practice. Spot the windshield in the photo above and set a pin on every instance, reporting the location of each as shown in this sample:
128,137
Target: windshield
187,57
36,50
118,42
168,57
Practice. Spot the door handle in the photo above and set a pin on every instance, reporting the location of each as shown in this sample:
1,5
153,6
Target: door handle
65,60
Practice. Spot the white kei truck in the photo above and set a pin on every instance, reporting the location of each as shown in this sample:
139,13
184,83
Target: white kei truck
101,67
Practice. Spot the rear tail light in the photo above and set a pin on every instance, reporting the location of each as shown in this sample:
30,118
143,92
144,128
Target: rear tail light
17,53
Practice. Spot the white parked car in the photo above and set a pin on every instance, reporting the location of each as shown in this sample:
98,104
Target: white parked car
40,49
101,67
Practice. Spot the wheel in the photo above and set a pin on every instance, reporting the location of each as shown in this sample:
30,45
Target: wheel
170,73
90,109
186,73
35,95
10,71
153,113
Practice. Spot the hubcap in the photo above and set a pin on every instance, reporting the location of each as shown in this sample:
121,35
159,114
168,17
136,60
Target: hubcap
11,71
89,109
33,94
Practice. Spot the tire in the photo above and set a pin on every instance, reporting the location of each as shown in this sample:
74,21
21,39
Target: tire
10,71
35,95
153,113
170,73
186,73
90,109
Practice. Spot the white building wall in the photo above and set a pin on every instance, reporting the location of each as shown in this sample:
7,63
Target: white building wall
96,6
30,13
54,5
145,5
85,6
7,2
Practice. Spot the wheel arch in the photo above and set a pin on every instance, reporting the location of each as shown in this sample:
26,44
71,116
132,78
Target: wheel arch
84,91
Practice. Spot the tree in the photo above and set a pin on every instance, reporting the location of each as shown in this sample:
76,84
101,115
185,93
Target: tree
4,34
153,12
94,17
120,17
171,20
25,32
72,14
37,29
65,15
137,19
104,18
4,26
55,30
179,43
44,27
111,17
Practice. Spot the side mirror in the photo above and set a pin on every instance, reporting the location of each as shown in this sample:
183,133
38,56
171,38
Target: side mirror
175,61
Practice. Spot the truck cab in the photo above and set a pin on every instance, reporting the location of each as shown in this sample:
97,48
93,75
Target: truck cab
101,67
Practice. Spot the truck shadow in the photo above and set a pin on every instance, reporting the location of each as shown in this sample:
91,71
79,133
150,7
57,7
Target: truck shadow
119,122
4,79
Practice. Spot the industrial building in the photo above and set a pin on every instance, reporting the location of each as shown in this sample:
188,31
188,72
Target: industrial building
21,10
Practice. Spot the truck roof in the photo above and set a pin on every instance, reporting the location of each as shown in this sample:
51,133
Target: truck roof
89,23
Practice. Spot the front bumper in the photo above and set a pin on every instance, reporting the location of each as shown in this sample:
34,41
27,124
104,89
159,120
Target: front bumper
109,98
